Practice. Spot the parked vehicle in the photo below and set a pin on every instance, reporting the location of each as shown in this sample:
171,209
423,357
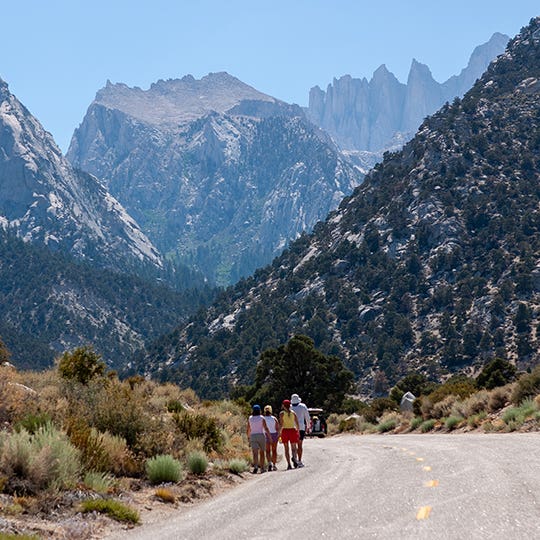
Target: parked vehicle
318,423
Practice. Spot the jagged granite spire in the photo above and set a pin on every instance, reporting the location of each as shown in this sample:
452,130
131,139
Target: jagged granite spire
381,114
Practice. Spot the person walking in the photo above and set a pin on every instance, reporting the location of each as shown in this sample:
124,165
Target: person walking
271,441
304,423
257,431
289,432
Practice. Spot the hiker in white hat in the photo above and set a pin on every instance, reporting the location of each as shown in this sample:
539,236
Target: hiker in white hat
304,422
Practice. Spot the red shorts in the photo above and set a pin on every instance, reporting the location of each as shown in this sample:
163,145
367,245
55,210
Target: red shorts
289,435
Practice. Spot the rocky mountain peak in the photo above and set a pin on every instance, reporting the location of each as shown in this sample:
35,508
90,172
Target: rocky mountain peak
43,199
419,71
168,103
219,175
368,118
4,88
382,74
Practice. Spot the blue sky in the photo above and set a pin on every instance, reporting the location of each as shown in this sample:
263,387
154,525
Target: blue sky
56,54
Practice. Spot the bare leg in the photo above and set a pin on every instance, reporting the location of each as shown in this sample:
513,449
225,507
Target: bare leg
294,448
269,452
287,453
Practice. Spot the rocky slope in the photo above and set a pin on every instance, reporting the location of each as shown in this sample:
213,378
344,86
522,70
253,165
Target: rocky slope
368,118
50,302
432,265
44,199
219,175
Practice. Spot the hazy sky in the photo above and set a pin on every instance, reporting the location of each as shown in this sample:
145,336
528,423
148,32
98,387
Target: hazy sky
56,54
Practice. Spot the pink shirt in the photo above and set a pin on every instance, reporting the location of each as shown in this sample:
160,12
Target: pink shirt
256,424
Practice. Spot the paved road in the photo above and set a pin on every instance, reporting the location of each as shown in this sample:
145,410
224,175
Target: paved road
468,486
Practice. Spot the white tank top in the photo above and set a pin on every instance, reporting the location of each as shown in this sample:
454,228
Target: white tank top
256,424
271,423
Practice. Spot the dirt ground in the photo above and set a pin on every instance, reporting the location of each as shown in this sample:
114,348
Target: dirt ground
58,517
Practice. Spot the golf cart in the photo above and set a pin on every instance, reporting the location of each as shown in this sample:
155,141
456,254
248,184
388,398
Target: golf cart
318,423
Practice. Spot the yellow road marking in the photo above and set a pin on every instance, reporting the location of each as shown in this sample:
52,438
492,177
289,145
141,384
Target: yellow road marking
432,483
427,468
423,513
404,449
419,459
411,453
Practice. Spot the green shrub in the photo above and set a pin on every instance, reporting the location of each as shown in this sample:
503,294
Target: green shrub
13,536
238,466
527,386
347,424
366,427
174,406
199,426
32,422
61,459
45,459
476,419
387,425
452,422
459,386
99,482
197,462
163,469
518,415
81,365
428,425
510,415
114,509
496,373
416,422
16,454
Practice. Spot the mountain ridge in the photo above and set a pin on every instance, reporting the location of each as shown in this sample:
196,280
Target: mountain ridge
168,103
225,191
432,265
373,116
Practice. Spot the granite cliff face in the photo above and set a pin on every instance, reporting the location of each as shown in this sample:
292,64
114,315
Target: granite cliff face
219,175
431,266
44,199
373,116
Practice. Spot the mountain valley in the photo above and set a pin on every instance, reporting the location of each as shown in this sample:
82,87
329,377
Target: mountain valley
430,266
